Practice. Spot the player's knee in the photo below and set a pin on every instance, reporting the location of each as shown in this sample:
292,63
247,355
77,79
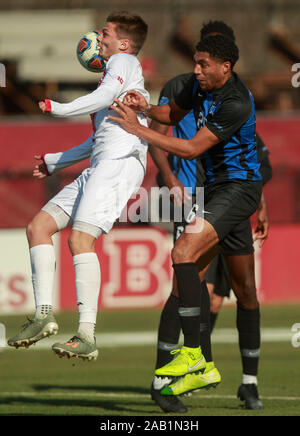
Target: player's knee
180,254
80,242
177,255
29,231
74,243
247,296
36,228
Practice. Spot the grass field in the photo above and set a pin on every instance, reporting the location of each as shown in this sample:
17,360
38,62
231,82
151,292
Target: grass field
36,382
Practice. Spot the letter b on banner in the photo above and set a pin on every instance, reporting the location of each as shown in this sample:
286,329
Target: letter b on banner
139,268
2,76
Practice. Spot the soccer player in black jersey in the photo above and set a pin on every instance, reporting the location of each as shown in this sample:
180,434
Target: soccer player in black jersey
175,172
224,111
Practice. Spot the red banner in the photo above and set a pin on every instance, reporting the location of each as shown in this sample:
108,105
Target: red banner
136,269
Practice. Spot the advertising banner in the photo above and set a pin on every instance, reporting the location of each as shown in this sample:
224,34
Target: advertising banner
136,269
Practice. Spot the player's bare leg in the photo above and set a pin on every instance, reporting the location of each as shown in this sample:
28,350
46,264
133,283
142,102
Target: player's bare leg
87,281
241,271
42,258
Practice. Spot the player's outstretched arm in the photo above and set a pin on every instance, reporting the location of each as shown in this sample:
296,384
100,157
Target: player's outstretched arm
84,105
99,99
187,149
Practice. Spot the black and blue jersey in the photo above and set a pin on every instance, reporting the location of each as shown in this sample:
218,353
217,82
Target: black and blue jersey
189,172
229,113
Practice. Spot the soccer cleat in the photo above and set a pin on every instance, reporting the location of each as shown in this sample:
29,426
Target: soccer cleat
186,360
249,394
77,346
167,404
34,330
194,381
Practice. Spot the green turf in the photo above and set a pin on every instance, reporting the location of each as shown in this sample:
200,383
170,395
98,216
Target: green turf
38,383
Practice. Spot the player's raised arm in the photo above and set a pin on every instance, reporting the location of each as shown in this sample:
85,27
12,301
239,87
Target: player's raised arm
99,99
117,72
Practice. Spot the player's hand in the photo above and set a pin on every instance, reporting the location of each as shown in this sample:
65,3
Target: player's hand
40,170
135,101
179,194
127,117
42,106
262,228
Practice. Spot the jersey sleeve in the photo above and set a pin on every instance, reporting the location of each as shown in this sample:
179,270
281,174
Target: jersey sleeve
228,117
58,161
167,94
185,98
115,78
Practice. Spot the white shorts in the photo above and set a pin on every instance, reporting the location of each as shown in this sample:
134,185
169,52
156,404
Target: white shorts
99,195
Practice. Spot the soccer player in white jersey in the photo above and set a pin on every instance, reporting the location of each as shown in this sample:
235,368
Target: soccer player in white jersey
92,202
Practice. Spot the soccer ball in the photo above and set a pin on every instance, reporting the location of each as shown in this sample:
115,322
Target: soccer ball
88,53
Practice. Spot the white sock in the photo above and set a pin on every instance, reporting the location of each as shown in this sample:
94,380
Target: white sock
87,329
87,281
43,310
249,379
42,258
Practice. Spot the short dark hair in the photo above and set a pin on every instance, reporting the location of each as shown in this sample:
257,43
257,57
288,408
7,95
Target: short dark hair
130,26
216,27
220,47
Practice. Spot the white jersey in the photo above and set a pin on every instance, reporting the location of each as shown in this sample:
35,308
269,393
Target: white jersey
109,140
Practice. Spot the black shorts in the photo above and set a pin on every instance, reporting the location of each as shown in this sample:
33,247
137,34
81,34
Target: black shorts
228,207
217,274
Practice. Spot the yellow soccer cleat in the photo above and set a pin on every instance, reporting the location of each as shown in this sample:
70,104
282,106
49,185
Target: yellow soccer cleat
194,381
186,360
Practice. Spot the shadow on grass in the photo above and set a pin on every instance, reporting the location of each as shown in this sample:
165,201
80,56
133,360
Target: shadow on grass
94,388
59,405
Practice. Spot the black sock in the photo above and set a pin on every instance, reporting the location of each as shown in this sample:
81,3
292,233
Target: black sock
248,325
189,288
213,319
168,331
205,323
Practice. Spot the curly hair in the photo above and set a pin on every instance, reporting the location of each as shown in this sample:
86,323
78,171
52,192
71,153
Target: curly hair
216,28
220,47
